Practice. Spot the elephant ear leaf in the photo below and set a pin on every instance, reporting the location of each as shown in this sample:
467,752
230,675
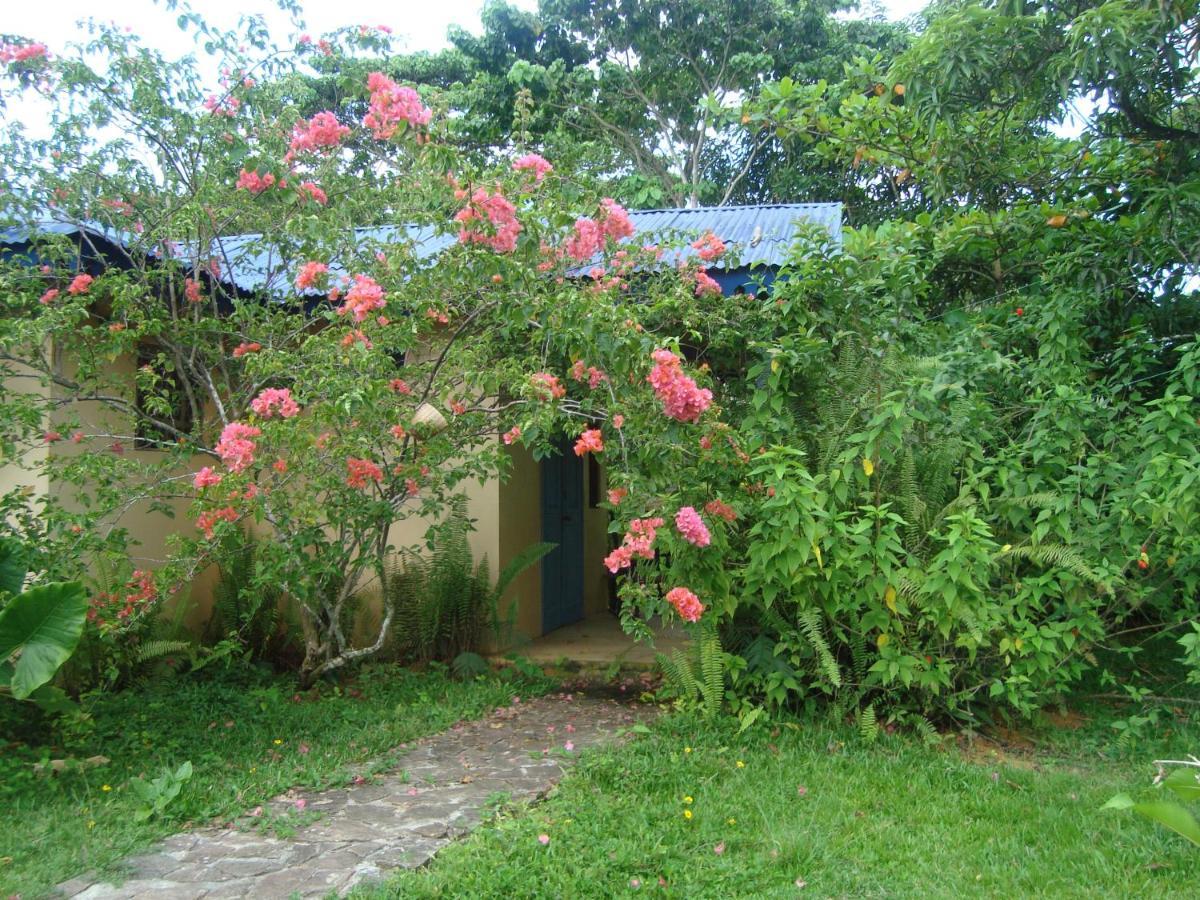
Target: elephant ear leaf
12,566
41,628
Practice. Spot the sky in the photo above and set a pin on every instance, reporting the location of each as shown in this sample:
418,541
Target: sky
417,24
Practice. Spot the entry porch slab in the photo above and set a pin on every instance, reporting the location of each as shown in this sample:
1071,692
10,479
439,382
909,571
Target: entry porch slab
599,641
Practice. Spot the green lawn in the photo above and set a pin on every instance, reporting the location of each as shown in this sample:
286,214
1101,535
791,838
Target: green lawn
248,735
812,805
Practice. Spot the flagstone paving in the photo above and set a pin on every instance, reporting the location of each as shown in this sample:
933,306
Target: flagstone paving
439,791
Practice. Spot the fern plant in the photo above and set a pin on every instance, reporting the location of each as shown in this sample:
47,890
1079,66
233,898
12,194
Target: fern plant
697,677
444,603
247,607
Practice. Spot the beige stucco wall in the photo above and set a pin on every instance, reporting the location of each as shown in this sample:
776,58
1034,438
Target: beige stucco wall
25,473
595,548
519,518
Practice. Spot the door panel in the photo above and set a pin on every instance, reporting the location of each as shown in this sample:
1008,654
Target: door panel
562,524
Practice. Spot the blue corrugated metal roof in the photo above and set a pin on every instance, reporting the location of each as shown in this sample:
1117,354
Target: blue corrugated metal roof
755,235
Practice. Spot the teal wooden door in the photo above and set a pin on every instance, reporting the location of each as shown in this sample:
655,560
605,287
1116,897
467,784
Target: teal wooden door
562,524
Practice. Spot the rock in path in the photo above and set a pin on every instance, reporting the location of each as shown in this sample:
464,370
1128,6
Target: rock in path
437,793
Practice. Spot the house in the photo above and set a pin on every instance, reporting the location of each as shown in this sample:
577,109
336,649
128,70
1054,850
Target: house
557,499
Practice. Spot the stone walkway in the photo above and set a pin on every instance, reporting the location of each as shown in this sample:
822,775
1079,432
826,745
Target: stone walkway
438,793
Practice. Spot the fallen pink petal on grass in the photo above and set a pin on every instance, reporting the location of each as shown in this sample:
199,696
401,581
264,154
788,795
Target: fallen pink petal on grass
543,839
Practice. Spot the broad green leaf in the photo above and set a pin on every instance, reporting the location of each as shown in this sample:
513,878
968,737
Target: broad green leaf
1183,783
44,624
1172,816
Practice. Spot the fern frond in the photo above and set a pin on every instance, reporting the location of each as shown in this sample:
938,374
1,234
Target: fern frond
1058,556
158,649
810,623
712,669
868,725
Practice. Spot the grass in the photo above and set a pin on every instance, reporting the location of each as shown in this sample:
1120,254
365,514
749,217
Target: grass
812,805
249,736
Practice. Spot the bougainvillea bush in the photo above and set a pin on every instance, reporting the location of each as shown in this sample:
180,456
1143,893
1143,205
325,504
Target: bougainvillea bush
220,338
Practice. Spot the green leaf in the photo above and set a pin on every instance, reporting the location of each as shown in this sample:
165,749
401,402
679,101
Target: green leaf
1172,816
1121,801
12,566
44,624
519,563
1184,783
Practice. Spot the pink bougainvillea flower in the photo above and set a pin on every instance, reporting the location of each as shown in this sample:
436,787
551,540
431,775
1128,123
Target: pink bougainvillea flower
235,447
253,182
569,746
19,53
51,437
585,241
208,520
361,471
47,298
358,336
686,603
591,441
618,421
275,400
498,214
638,542
301,804
615,220
80,284
191,290
392,105
280,465
362,299
322,132
309,273
547,385
313,192
705,284
616,495
511,435
400,386
689,524
721,510
709,246
543,839
682,400
246,347
206,477
531,162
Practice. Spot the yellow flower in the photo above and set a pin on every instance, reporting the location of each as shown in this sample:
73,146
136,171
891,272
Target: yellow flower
687,813
731,821
687,749
92,823
278,742
740,764
106,788
687,800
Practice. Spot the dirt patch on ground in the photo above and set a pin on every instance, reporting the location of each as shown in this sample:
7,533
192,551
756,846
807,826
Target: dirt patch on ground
988,751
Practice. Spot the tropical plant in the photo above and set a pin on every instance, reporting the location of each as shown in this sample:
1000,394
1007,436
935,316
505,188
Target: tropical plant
39,627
